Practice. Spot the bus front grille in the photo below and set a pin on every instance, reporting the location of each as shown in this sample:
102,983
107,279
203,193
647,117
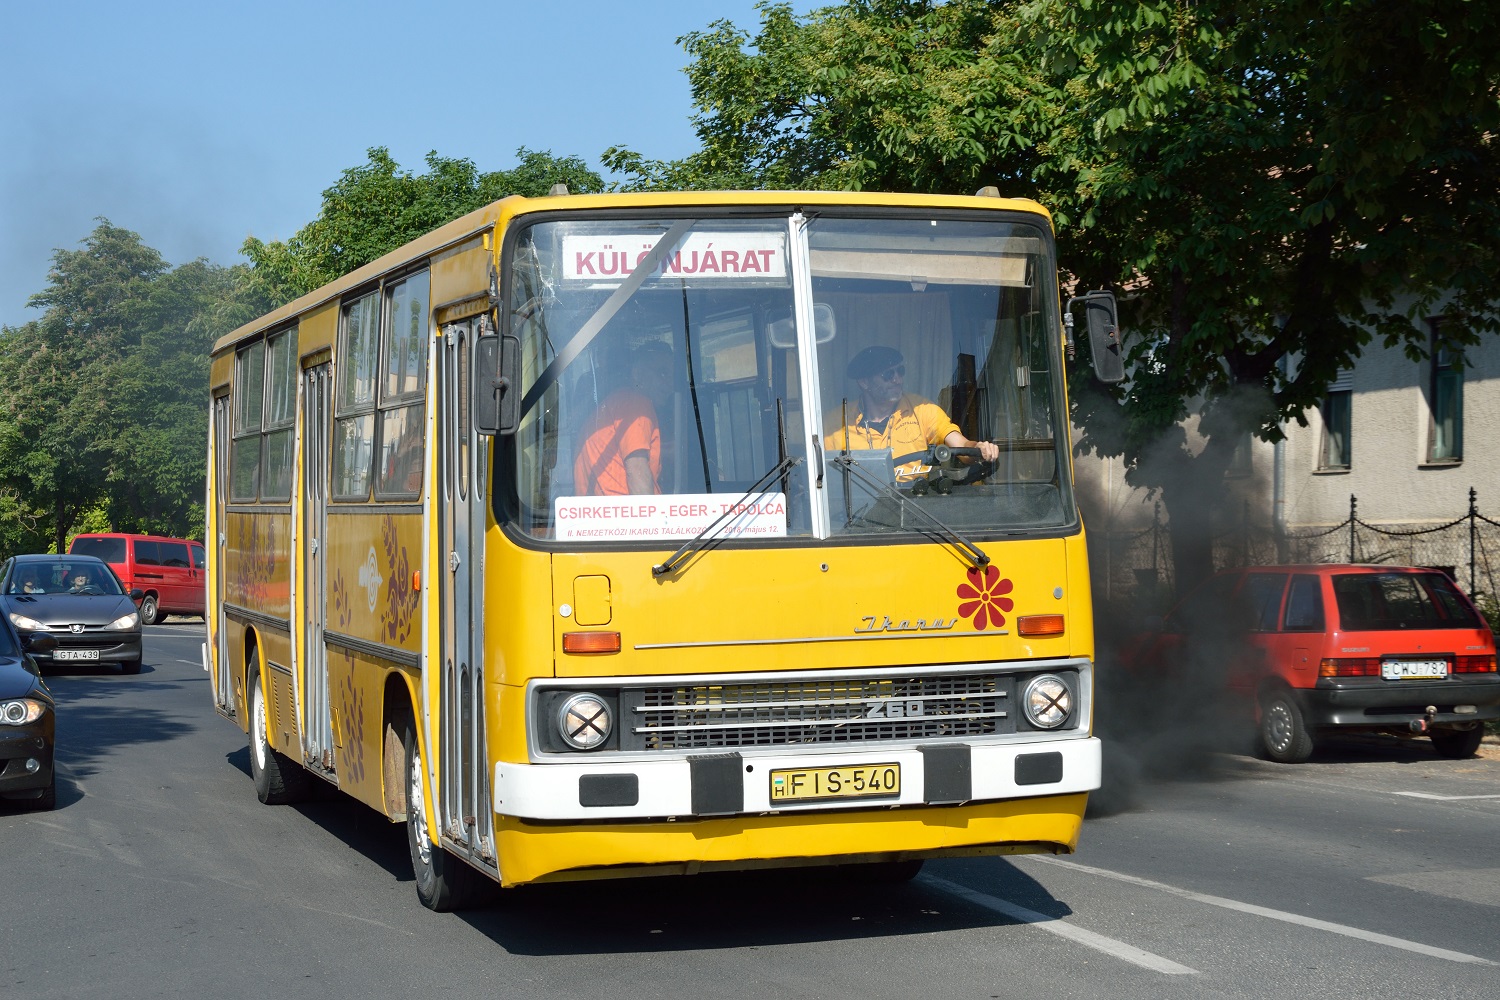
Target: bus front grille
824,711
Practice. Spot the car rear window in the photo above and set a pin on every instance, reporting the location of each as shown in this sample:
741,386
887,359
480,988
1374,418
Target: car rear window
108,549
1372,602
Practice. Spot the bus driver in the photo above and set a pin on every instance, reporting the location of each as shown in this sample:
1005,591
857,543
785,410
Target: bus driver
621,450
890,417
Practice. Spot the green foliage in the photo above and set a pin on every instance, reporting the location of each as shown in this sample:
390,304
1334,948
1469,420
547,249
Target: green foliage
377,206
1270,187
103,409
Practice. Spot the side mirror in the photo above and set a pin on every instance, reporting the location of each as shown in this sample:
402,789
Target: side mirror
136,593
1104,334
40,642
496,390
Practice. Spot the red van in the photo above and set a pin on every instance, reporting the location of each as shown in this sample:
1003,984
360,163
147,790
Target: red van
1310,649
169,571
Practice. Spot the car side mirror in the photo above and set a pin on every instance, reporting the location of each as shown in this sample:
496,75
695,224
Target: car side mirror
40,642
136,593
497,378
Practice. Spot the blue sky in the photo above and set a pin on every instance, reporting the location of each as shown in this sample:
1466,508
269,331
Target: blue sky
198,124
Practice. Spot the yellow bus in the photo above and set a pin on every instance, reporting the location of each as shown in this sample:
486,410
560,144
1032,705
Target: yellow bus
597,536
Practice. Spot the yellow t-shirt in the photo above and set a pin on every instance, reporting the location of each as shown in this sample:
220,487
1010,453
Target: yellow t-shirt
915,426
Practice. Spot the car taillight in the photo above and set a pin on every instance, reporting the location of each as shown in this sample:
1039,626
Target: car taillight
1358,666
1474,664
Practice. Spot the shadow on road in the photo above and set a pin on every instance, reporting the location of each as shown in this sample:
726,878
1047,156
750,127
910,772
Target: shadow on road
746,910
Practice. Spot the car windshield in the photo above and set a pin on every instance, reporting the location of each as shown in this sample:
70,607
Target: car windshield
62,576
671,365
1369,602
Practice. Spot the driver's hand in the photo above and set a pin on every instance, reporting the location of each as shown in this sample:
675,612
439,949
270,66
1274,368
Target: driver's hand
988,450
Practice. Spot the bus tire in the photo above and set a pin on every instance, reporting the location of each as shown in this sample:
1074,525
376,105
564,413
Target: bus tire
150,610
444,882
278,780
1283,733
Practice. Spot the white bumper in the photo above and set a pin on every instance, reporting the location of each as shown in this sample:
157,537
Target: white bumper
664,788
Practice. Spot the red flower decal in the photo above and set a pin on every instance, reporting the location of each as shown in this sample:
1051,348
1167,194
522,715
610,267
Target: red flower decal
983,598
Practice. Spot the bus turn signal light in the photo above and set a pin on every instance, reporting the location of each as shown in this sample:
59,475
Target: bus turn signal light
1040,626
591,642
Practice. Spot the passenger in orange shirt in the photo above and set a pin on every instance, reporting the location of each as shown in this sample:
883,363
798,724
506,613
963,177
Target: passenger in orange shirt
621,450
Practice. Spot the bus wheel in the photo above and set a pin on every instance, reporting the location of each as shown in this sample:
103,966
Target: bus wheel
444,882
150,610
278,780
1283,733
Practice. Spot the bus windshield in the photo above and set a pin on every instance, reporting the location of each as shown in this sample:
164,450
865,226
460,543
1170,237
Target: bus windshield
786,377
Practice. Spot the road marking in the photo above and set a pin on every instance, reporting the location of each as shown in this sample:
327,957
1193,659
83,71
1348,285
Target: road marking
1263,911
1119,949
1443,798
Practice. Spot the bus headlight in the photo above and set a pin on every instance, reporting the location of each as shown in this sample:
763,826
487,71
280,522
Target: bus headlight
1047,701
584,721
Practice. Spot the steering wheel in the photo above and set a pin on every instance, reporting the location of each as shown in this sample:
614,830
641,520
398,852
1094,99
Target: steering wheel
89,589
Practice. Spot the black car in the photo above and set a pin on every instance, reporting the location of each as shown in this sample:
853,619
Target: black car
78,601
28,720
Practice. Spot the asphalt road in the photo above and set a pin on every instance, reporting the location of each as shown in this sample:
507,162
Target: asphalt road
1372,871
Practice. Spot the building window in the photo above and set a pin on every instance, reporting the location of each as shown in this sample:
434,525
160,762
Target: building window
1445,436
1338,411
1334,451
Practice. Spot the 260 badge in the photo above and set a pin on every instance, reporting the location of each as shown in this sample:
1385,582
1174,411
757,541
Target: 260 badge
822,783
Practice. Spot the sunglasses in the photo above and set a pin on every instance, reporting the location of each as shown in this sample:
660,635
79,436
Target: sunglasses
892,373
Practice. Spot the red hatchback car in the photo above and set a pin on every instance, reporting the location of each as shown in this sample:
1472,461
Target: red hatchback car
1314,648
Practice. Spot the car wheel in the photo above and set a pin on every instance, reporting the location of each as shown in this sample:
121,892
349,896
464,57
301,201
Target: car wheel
278,780
1283,734
150,610
131,666
45,802
1457,744
444,882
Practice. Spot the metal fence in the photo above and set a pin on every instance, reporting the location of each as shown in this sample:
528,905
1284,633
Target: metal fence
1137,565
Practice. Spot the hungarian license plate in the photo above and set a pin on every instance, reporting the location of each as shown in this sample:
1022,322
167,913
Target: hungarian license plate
821,783
1404,670
75,654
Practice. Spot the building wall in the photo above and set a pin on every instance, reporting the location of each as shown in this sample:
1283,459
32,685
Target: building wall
1388,470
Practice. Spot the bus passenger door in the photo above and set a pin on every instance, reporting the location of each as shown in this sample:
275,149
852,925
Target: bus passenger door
466,817
317,736
223,676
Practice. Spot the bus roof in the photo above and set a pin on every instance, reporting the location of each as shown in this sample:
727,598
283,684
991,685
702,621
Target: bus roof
485,218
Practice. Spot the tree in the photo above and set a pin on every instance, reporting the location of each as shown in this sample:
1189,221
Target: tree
1269,186
102,400
377,206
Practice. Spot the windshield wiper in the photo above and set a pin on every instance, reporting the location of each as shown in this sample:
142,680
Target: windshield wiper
975,554
757,489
